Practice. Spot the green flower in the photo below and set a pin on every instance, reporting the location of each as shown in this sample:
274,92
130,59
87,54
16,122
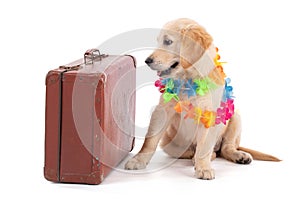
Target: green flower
204,86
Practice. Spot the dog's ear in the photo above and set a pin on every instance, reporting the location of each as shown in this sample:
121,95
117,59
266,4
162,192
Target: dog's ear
195,40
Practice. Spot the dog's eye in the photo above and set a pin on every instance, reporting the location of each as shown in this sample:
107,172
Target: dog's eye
168,42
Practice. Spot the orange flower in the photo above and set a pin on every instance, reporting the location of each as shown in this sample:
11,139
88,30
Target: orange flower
208,119
190,112
220,70
178,108
182,106
217,75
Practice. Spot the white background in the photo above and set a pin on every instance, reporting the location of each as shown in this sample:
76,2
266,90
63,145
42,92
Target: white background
258,39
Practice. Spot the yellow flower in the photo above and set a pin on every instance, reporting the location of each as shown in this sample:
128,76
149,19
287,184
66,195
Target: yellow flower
217,74
198,114
208,119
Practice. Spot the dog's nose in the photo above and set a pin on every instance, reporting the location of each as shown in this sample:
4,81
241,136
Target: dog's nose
149,60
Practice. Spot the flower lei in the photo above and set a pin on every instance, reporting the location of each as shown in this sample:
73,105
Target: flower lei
171,88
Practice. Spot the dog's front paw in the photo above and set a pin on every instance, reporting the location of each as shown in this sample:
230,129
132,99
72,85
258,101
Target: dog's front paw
135,164
206,174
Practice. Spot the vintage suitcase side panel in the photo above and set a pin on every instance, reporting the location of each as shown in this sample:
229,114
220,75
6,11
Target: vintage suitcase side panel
100,169
52,125
123,101
77,157
119,109
132,100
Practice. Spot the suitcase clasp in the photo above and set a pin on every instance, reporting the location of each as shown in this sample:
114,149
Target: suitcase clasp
66,67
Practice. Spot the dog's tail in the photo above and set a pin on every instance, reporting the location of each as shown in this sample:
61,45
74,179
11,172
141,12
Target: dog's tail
259,155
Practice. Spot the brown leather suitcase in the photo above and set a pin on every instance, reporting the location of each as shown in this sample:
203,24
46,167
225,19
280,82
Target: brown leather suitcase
90,114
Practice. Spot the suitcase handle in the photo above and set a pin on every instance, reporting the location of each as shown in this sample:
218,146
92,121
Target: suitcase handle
91,55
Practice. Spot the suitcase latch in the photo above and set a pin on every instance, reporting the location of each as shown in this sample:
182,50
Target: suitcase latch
70,67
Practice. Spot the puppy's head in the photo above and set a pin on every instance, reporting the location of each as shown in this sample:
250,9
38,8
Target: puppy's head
180,44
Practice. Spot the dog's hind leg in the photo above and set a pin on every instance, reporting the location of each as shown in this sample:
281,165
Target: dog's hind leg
231,141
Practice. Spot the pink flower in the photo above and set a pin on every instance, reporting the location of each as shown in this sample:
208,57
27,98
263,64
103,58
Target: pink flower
225,112
160,86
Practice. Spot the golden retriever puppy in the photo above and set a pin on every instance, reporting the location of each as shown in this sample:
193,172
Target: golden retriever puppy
195,116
